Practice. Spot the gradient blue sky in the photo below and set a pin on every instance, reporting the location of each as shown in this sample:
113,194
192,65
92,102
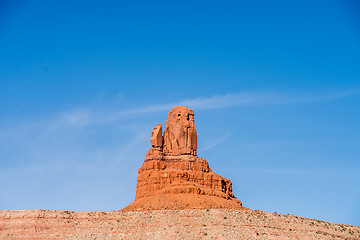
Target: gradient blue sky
275,87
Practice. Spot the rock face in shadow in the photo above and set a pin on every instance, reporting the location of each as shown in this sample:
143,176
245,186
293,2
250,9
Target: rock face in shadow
173,176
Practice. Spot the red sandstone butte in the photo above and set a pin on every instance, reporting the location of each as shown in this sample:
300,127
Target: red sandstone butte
174,177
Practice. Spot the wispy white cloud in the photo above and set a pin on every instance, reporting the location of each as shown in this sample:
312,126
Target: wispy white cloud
246,99
214,143
87,116
264,98
148,109
292,171
77,118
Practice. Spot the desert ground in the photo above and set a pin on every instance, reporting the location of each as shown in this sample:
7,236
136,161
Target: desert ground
167,224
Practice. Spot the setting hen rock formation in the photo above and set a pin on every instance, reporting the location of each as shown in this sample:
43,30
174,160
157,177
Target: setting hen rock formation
174,177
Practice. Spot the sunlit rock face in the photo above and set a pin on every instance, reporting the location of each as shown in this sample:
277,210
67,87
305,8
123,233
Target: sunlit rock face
173,176
180,133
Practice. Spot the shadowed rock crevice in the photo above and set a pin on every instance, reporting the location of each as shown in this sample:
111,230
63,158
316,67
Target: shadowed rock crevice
172,167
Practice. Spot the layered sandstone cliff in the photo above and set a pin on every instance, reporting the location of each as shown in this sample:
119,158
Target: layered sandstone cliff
173,176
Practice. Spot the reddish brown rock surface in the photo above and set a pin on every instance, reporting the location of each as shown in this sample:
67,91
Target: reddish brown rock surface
174,177
180,133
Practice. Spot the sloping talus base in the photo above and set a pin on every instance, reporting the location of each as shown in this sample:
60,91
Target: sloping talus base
183,201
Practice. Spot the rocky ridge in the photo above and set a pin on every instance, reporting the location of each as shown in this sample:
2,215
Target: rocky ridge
167,224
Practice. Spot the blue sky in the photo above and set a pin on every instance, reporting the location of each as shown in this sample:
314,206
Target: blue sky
275,87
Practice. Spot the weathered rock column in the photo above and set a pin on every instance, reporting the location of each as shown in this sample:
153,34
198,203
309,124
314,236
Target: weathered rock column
173,176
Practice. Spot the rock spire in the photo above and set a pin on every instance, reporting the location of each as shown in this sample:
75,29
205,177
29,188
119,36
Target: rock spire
173,176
